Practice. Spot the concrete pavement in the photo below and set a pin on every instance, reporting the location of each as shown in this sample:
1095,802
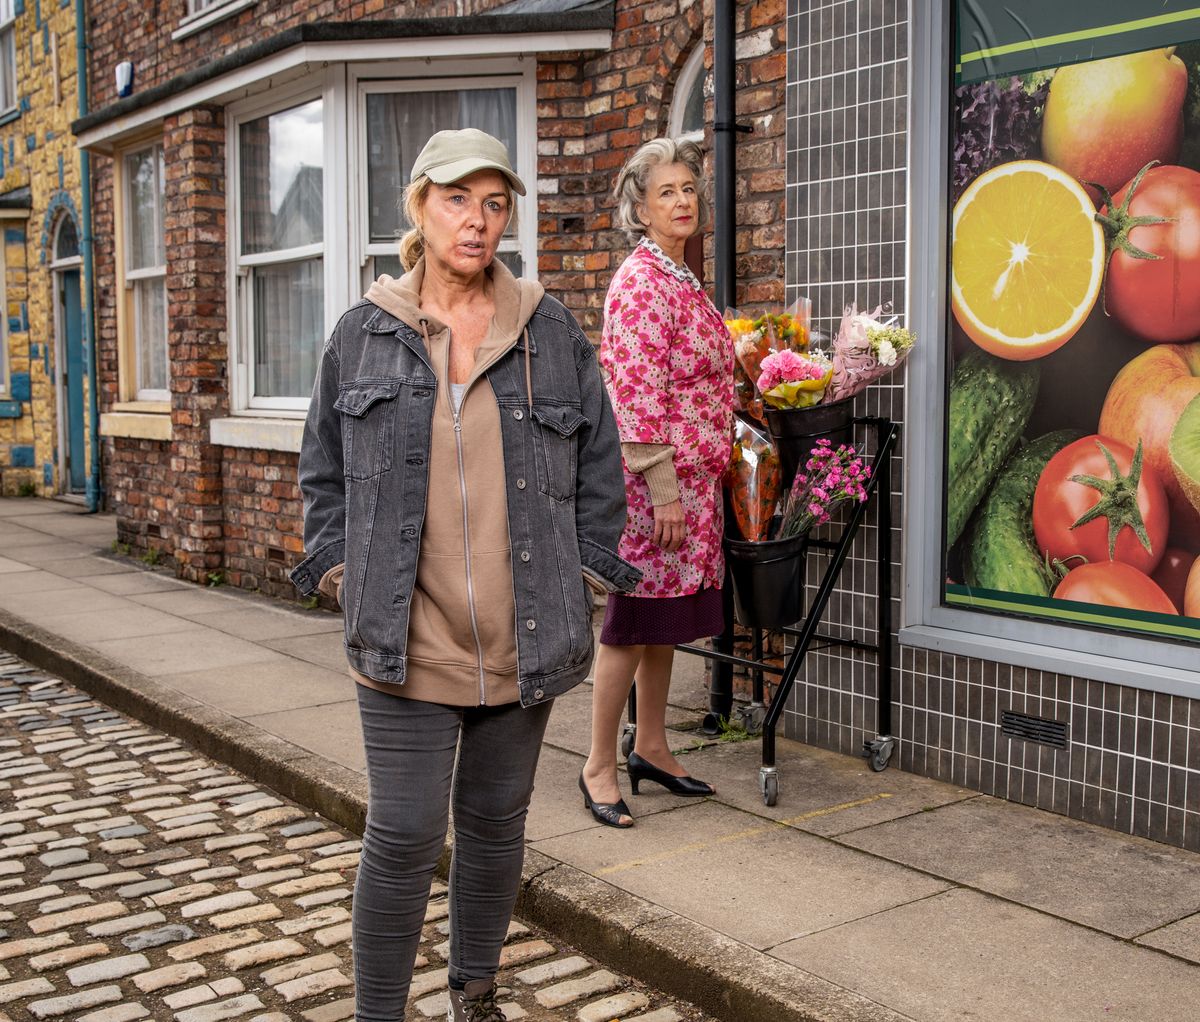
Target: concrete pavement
858,896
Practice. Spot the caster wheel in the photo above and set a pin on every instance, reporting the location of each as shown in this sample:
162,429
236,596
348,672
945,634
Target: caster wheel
880,757
770,789
627,744
752,719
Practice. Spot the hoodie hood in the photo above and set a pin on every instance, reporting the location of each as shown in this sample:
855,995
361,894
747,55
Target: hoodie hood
515,298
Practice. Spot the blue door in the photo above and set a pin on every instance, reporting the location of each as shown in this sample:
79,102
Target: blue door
70,320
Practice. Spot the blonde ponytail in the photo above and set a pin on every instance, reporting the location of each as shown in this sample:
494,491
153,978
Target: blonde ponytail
412,243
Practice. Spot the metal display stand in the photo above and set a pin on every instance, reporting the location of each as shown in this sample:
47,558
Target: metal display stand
757,716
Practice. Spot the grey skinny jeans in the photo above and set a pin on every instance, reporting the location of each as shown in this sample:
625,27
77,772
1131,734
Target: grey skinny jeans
411,748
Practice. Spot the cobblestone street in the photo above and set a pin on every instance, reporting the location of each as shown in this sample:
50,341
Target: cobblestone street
140,880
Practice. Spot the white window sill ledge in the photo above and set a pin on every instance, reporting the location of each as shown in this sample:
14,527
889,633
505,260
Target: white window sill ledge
199,21
261,434
137,425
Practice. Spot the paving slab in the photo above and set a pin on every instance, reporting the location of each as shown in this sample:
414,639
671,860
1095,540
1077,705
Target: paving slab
46,550
256,622
70,524
195,648
135,580
70,598
127,622
570,726
1122,885
7,567
86,565
965,955
821,792
324,650
1181,939
752,879
331,730
248,690
192,600
36,580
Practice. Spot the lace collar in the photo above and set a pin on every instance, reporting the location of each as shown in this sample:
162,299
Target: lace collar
669,264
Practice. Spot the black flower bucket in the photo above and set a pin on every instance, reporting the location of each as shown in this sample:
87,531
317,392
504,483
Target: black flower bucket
768,580
795,432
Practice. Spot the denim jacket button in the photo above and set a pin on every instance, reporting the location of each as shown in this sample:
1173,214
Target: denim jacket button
525,555
539,693
410,530
520,484
531,624
518,415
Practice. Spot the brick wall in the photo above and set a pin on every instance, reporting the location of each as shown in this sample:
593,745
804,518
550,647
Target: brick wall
38,151
595,110
238,511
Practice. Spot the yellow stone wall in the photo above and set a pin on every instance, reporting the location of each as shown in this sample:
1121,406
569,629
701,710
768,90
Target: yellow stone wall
37,150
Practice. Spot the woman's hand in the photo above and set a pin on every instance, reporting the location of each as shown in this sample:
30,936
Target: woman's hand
668,526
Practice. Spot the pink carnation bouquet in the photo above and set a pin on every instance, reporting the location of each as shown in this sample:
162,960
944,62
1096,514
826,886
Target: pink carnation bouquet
830,477
792,380
865,349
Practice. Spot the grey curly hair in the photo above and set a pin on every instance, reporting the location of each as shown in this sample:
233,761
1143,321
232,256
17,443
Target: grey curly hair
630,191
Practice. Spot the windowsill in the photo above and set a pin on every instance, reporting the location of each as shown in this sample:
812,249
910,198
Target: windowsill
201,20
143,407
258,433
136,425
10,115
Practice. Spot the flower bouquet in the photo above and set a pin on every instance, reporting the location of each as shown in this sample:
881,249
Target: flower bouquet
864,350
831,477
755,338
754,481
789,380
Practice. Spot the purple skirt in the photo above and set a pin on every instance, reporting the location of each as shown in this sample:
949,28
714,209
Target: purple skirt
662,621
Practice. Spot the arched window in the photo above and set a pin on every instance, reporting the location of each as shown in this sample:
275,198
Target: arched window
66,239
686,119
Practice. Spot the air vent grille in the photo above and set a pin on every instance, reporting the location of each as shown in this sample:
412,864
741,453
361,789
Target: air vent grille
1034,729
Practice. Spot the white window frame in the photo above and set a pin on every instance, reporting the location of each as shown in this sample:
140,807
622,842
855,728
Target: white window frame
130,275
1157,665
9,25
343,87
329,87
410,76
197,18
691,72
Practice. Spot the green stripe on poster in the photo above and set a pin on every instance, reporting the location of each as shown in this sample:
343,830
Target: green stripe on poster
1076,613
1015,38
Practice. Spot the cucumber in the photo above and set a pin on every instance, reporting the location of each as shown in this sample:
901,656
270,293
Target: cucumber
990,402
1001,551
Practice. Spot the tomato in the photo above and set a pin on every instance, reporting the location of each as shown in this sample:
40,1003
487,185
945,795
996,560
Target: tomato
1114,584
1119,512
1172,574
1156,298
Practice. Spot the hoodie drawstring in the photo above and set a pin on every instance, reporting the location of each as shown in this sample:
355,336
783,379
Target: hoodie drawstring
528,374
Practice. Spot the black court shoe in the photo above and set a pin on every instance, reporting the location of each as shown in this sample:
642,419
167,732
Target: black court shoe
608,813
642,770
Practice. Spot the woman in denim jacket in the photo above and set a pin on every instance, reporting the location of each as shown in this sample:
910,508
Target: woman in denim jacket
462,484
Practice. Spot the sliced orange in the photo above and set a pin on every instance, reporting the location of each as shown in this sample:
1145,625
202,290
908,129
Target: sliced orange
1028,259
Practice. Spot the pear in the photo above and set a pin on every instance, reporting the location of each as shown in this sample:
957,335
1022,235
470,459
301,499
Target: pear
1106,119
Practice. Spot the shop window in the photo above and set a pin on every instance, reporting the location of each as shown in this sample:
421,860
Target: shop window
686,118
8,56
398,118
281,251
1054,380
145,271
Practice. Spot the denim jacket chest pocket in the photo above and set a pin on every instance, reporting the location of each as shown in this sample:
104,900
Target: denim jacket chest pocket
557,428
369,410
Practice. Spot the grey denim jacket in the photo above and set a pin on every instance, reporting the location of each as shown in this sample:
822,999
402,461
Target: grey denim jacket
364,477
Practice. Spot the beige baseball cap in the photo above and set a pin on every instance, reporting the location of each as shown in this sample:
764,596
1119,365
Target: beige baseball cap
450,156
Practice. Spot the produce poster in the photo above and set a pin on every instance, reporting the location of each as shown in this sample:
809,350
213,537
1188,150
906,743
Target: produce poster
1073,421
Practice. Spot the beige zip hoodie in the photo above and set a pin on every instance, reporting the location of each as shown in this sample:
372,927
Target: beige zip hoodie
462,647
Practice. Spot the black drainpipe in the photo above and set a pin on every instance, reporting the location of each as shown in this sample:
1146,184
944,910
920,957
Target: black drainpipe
720,681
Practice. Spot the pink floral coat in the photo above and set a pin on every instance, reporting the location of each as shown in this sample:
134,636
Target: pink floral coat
668,363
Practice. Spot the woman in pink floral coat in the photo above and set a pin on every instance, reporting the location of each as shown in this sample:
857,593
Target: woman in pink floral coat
668,361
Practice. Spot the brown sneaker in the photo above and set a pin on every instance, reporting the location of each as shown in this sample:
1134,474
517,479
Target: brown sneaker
476,1002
